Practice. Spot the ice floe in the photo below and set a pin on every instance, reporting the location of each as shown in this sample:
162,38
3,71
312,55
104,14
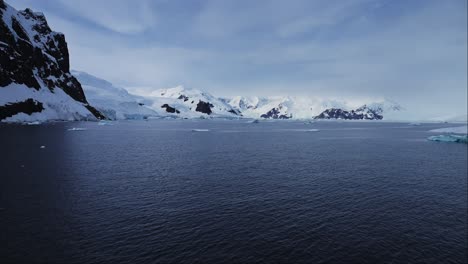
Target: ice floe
104,123
35,123
450,138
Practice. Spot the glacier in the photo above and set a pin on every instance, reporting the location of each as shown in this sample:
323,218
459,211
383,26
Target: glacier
113,102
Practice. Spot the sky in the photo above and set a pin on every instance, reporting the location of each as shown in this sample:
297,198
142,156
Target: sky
413,52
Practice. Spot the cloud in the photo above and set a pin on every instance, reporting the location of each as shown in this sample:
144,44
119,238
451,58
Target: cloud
122,16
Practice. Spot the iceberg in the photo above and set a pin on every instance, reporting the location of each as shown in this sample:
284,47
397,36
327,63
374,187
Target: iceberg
450,138
76,129
200,130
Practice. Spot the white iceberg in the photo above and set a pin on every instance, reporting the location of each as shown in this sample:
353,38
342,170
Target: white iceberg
104,123
200,130
450,138
76,129
35,123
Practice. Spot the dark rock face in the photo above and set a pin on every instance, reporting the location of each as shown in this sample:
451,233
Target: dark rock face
275,114
170,109
28,107
362,113
34,55
235,112
183,97
204,107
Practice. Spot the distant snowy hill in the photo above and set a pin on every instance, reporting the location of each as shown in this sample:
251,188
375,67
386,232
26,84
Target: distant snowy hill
309,107
374,111
190,103
35,81
113,102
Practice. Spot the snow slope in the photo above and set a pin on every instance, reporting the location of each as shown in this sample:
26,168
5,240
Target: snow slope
113,102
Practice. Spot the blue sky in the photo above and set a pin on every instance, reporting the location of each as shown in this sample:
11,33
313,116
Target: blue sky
414,52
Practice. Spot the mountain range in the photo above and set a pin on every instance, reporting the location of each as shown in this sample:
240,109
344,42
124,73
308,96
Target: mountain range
179,102
36,84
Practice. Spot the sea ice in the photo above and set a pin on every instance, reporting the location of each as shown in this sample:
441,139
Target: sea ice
200,130
76,129
104,123
450,138
33,123
312,130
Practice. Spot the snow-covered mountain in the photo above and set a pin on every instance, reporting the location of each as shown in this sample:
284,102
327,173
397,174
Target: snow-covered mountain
117,103
190,103
308,107
35,79
362,113
180,102
113,102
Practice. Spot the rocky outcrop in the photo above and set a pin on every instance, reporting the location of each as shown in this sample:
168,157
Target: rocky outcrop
362,113
28,106
183,97
275,113
204,107
170,109
33,55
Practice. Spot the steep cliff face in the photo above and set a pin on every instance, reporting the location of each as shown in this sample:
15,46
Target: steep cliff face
35,66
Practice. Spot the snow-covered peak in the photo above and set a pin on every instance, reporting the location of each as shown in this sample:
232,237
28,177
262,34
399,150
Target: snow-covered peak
31,27
184,102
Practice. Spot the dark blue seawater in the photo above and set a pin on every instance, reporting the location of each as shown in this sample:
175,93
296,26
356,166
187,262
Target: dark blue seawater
156,192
